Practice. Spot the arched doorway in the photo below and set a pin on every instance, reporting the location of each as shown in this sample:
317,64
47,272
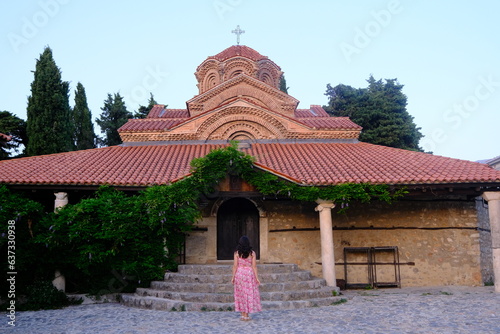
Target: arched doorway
236,217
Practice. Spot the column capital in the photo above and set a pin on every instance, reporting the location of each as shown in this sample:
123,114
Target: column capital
324,204
61,200
61,196
491,195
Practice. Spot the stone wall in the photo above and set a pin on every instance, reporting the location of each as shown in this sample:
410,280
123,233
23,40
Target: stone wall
438,241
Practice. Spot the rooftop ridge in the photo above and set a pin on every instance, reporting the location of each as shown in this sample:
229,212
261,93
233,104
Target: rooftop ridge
238,51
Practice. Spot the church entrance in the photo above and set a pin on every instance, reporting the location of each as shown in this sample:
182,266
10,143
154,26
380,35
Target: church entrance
235,218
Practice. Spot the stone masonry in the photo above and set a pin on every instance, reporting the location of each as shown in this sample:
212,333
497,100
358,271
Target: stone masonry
438,242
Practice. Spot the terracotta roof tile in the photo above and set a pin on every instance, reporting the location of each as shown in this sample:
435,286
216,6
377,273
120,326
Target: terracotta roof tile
330,123
238,50
116,165
159,111
309,163
160,118
335,163
150,124
313,111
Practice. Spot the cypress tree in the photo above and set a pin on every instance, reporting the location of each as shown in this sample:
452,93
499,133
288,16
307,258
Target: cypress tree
114,115
84,135
283,86
143,111
49,127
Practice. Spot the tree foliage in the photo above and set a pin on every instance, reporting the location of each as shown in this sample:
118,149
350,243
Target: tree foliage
15,127
114,115
283,86
380,109
19,226
49,127
112,235
143,111
84,136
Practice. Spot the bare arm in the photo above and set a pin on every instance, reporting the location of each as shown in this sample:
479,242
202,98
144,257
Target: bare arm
254,266
235,266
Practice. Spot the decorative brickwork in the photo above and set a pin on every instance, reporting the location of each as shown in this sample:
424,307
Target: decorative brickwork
257,123
236,66
234,61
247,87
269,73
239,100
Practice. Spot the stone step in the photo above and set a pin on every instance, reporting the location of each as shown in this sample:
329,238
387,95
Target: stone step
226,277
217,269
208,287
314,283
199,297
176,305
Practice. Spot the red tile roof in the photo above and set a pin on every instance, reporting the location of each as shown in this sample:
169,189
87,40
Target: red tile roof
159,111
150,124
238,50
160,118
330,123
308,163
335,163
314,111
116,165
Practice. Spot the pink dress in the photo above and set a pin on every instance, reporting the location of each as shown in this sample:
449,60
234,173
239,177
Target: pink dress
246,289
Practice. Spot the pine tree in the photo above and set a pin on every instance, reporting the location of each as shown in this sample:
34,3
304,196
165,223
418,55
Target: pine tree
143,111
49,127
380,109
114,115
84,136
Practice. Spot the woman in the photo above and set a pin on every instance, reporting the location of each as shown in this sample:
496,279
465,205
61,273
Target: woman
245,280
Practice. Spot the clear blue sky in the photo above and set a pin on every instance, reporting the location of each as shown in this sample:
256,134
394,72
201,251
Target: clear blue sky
446,54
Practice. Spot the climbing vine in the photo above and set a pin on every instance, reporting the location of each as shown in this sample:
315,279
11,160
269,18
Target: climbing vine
208,170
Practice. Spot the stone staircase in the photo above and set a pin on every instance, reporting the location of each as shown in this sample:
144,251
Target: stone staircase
209,288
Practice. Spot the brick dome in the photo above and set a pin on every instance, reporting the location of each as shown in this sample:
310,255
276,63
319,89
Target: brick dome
233,61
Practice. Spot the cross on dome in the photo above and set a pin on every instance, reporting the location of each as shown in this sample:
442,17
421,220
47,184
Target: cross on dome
238,32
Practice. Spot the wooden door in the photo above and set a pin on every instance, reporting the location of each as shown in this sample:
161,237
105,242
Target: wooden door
235,218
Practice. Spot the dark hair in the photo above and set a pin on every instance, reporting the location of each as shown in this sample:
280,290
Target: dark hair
244,249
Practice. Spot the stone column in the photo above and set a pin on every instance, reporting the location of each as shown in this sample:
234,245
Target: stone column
327,252
493,199
59,280
61,200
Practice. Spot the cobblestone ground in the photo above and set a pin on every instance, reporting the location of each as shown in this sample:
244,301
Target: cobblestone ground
408,310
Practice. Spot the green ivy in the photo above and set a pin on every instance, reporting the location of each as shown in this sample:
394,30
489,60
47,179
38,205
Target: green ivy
209,170
114,242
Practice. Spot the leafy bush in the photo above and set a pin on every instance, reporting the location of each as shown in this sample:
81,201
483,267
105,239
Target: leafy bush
42,295
113,242
23,216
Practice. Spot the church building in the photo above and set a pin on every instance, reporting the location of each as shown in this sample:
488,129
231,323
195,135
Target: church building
431,236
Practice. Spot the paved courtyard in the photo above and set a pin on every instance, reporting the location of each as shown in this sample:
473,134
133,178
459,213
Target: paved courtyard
407,310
